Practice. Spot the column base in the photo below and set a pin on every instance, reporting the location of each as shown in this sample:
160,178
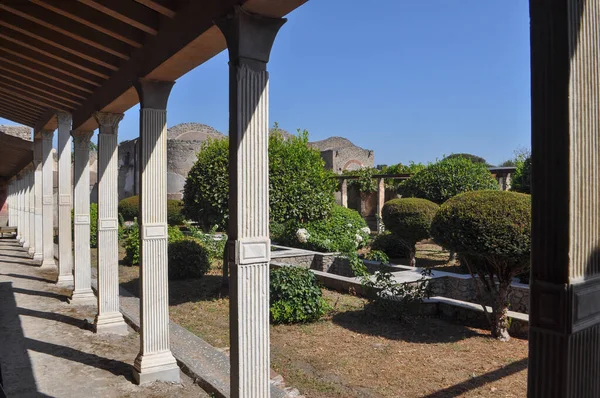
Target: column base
31,251
38,257
85,297
25,245
64,280
155,367
48,264
111,323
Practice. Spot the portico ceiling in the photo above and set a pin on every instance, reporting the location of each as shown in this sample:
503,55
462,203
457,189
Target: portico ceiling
15,154
81,56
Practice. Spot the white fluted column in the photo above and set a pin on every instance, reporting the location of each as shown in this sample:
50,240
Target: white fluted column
31,221
109,318
155,361
82,292
65,186
25,211
47,201
20,207
249,40
38,181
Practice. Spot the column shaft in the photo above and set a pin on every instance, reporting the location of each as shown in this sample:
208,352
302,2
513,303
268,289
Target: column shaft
82,292
47,201
21,209
38,181
249,40
32,231
564,336
109,318
380,203
65,186
155,361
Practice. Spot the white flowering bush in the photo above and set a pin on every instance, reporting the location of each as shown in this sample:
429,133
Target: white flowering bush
302,235
343,231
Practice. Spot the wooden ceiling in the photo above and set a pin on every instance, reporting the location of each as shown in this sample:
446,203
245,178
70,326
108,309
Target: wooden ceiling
81,56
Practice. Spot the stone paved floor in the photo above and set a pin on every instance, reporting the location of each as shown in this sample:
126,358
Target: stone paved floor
46,349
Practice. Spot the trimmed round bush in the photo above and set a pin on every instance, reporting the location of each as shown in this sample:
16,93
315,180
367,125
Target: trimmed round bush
132,242
449,177
343,231
187,259
491,232
409,219
129,208
93,225
300,188
390,244
295,296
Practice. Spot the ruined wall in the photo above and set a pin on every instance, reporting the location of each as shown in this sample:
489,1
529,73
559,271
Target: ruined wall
128,168
181,157
22,132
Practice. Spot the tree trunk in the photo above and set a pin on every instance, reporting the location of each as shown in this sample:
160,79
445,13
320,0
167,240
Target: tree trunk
500,323
412,252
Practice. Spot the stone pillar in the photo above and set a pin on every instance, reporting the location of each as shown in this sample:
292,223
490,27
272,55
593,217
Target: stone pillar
249,40
82,292
37,162
109,319
344,193
65,186
155,361
25,212
47,201
380,203
564,333
32,231
21,208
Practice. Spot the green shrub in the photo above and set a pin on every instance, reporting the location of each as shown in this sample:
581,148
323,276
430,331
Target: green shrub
214,247
300,188
409,219
132,242
390,244
491,232
472,158
175,212
521,181
129,208
343,231
378,255
188,258
295,296
440,181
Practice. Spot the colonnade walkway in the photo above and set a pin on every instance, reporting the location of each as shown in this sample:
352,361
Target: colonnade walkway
46,348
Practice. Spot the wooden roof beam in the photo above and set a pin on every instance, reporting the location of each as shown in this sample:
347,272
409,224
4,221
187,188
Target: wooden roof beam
30,30
77,32
42,70
51,53
8,72
33,88
11,113
163,7
92,19
33,99
128,12
24,104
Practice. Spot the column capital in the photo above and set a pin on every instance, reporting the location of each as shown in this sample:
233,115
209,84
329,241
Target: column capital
249,37
81,139
153,94
63,117
108,122
47,135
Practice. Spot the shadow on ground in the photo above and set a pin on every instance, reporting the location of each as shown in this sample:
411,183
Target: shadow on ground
410,329
479,381
207,288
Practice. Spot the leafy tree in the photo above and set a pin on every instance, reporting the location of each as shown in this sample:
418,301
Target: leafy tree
472,158
521,181
440,181
300,188
409,219
491,232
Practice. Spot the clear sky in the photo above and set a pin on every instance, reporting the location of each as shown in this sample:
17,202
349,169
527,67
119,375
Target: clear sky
410,79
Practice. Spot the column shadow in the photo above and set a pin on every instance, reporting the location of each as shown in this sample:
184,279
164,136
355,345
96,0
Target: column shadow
32,278
59,297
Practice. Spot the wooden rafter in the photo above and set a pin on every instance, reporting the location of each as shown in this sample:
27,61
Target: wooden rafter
124,11
53,86
31,98
158,7
72,10
20,82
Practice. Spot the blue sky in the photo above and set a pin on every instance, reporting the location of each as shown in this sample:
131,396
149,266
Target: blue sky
410,79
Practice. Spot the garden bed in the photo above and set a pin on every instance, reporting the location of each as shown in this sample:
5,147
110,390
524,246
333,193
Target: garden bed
352,354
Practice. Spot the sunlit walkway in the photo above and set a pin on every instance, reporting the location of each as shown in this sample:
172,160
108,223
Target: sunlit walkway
46,349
